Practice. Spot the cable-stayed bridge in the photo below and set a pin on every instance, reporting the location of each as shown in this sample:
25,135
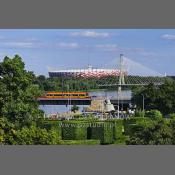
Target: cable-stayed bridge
131,74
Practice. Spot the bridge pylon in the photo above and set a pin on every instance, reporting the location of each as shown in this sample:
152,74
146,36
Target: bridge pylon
122,73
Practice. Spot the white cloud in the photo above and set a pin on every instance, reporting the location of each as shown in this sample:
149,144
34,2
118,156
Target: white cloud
68,45
168,37
91,34
20,44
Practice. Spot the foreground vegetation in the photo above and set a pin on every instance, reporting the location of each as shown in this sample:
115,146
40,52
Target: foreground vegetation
21,120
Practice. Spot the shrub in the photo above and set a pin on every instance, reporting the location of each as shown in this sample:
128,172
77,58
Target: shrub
139,113
172,116
129,124
53,124
107,133
157,133
154,114
36,136
118,130
94,131
74,130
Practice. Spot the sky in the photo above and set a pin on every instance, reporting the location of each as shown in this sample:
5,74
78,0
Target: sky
43,50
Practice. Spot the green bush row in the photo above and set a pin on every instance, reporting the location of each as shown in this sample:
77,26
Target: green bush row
108,132
85,130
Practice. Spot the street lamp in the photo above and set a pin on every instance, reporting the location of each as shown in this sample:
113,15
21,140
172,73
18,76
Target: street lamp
143,104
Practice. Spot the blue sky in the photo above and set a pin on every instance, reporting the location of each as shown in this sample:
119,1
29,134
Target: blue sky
50,49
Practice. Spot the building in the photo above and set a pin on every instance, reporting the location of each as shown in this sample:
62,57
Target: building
89,72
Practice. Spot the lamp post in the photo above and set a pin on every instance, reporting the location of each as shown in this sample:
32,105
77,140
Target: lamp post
118,114
143,104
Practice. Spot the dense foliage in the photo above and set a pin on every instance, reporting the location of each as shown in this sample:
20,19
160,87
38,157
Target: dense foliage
154,133
160,97
19,109
17,92
66,83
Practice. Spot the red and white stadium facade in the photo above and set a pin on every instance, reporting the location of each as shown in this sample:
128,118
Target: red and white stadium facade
85,73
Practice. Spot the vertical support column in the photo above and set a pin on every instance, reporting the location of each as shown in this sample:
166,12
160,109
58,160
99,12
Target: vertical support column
122,74
121,80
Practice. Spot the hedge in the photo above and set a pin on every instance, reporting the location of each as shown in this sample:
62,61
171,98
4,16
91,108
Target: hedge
107,133
94,131
81,130
74,130
119,137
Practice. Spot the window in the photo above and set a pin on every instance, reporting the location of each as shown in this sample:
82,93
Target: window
75,95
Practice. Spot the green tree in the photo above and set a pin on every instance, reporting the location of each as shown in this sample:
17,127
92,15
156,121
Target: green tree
156,97
7,131
17,92
156,133
74,108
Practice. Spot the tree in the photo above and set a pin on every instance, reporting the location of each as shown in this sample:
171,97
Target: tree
7,131
156,97
17,92
74,108
156,133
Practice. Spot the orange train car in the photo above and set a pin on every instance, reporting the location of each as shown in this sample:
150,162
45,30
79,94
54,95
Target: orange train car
72,95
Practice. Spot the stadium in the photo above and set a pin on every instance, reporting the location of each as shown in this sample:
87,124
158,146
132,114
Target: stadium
86,73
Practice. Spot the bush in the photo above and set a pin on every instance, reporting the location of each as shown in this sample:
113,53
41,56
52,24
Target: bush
139,113
158,132
53,124
118,130
81,130
94,131
74,130
172,116
107,133
154,114
35,136
81,133
129,124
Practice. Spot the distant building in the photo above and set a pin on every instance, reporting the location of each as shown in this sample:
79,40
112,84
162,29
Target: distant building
89,72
